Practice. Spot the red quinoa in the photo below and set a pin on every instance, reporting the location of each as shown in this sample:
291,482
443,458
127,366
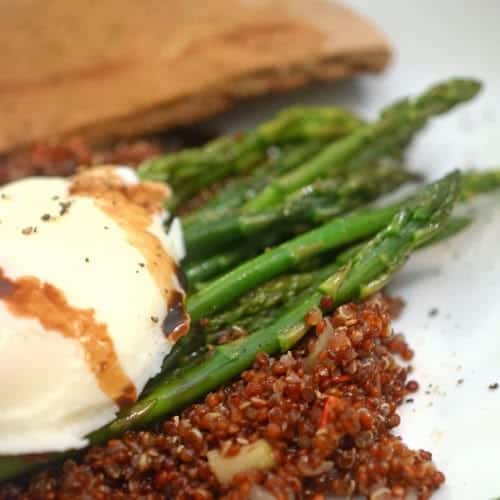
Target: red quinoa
330,430
62,158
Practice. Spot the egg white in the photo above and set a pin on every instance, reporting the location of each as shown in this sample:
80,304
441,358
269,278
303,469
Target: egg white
50,398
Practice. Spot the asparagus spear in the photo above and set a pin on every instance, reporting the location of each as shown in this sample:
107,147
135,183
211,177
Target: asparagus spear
224,290
236,283
200,272
266,299
260,306
474,183
264,305
309,122
480,181
396,126
314,205
416,222
207,268
192,169
272,294
371,267
342,231
241,190
450,229
413,226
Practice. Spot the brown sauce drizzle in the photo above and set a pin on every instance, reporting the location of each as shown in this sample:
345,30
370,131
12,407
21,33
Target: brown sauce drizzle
176,323
28,297
132,207
100,182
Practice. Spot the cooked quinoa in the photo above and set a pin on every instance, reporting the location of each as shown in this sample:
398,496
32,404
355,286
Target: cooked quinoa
327,417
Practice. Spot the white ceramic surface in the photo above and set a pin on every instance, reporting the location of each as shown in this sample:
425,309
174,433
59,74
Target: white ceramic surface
457,421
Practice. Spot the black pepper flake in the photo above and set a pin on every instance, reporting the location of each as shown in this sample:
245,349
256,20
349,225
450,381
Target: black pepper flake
3,196
64,207
87,259
141,264
460,381
45,217
106,228
493,387
433,312
55,198
410,400
154,319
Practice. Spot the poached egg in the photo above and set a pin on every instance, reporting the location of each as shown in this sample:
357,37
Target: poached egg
91,302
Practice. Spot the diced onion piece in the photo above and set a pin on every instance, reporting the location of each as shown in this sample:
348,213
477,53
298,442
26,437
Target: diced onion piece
258,455
320,345
381,493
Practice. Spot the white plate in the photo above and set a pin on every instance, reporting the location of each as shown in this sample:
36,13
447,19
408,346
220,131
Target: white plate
458,422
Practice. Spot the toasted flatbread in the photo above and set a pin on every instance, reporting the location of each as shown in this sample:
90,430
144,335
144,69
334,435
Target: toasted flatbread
118,68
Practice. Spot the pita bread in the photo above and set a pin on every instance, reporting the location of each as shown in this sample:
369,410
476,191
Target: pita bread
119,68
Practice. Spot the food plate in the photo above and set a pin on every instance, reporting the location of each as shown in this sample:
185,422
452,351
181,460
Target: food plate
452,318
450,290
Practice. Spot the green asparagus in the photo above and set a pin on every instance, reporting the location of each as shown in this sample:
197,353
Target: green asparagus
312,206
260,306
342,231
480,181
241,189
474,183
223,291
205,269
199,271
272,294
370,268
396,126
190,170
413,226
